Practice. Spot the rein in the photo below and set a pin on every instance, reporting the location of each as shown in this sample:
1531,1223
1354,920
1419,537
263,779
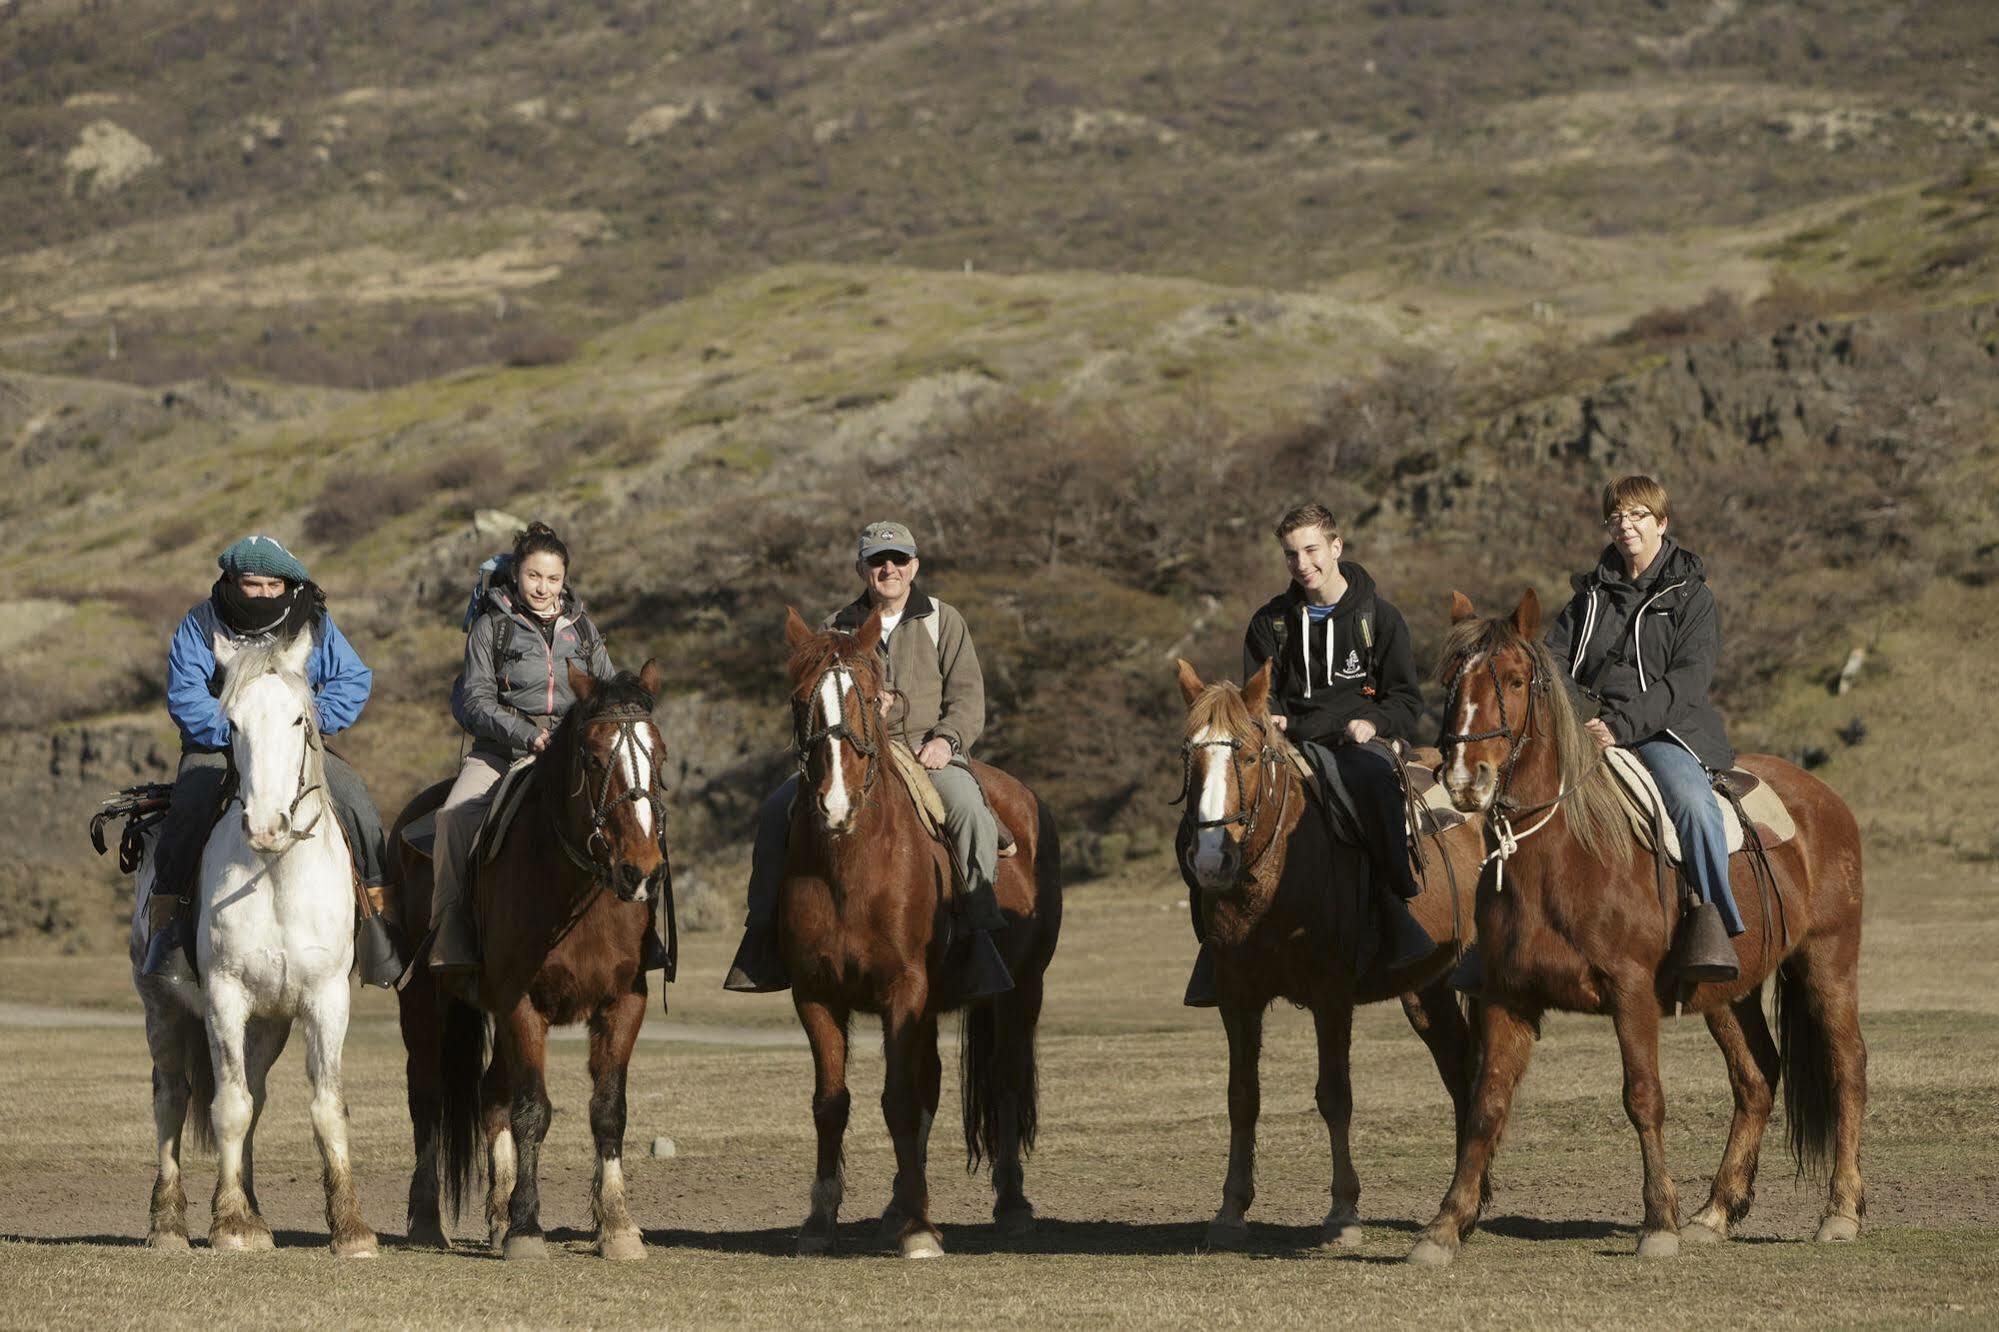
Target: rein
865,743
603,805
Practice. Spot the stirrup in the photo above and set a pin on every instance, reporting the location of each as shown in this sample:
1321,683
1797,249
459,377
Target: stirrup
1468,976
167,957
983,972
757,969
1201,992
1704,954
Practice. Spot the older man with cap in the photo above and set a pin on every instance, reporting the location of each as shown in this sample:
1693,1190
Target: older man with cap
938,710
263,592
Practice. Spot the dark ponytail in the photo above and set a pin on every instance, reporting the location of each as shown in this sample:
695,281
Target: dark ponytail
539,538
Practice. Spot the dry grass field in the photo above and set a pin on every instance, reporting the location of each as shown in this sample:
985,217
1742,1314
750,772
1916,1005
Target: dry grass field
1128,1172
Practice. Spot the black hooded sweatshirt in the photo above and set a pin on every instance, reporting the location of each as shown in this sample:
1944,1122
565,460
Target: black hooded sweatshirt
1330,673
1645,652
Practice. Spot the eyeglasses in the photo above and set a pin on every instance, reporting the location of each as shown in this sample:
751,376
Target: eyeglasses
1622,517
895,557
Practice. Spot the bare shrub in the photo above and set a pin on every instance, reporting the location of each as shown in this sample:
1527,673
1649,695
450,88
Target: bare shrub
527,345
351,506
1719,315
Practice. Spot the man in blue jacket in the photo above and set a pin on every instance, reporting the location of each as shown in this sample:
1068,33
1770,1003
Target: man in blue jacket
263,591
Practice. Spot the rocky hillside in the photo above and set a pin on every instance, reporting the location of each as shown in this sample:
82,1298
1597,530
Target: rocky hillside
1087,295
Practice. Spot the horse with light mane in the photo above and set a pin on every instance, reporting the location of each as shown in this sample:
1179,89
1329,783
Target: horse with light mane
1569,919
562,907
274,942
864,925
1266,869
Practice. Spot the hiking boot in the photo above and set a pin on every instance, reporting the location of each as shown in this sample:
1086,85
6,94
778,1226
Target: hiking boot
757,969
169,951
1703,952
454,944
375,953
1468,976
1201,985
652,952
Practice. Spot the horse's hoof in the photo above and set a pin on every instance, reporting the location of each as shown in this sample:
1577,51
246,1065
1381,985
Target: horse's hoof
1227,1236
1342,1230
922,1244
811,1246
1838,1230
1694,1232
628,1247
524,1248
1659,1244
1015,1221
240,1237
1429,1253
360,1244
167,1241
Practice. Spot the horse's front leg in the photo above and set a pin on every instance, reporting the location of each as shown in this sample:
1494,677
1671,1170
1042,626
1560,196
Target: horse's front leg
1334,1022
1244,1024
325,1035
1509,1044
826,1030
525,1046
1637,1020
1434,1014
910,1042
233,1222
496,1125
614,1029
1744,1038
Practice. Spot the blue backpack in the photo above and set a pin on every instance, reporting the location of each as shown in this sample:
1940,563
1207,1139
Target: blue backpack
494,570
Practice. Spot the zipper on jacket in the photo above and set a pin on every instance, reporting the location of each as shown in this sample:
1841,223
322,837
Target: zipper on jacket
1637,644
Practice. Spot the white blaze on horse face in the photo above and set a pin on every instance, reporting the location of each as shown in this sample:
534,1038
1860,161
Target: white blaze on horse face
268,708
834,803
1211,804
1458,779
635,761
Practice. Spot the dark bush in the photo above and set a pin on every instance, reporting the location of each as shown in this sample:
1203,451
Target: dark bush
352,506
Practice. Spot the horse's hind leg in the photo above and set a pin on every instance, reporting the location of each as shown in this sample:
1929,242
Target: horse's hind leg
166,1035
1825,1066
233,1222
1334,1022
325,1033
1636,1016
1016,1012
417,1013
929,1090
525,1046
263,1041
827,1032
1244,1024
1453,1045
496,1122
911,1042
1744,1038
614,1029
1507,1045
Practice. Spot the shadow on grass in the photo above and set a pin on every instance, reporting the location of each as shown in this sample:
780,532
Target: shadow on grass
1050,1236
283,1239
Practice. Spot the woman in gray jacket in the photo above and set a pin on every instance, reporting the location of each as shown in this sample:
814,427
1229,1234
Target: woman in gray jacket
514,690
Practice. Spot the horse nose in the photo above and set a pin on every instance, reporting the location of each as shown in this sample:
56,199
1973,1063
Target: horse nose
631,882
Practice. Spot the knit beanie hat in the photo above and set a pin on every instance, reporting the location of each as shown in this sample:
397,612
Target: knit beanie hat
264,555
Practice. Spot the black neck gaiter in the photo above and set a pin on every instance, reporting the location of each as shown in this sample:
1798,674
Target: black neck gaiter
284,616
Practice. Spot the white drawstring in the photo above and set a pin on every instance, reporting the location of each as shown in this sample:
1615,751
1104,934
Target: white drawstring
1509,842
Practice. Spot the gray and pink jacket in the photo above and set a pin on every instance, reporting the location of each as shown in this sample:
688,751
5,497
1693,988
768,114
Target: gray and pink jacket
516,681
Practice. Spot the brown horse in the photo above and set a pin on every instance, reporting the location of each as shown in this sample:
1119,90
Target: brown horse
864,923
1569,919
563,909
1265,870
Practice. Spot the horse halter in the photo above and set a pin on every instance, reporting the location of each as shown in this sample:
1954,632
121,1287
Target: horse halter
864,743
604,805
1537,683
1268,759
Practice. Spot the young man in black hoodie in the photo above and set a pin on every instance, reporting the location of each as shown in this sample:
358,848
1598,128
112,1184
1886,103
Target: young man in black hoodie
1343,683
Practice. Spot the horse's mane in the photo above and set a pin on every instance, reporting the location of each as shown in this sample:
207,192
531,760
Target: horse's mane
1220,705
1593,808
621,693
823,651
258,658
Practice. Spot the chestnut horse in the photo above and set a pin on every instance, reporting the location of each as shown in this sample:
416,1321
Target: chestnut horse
1569,919
864,923
562,910
1266,871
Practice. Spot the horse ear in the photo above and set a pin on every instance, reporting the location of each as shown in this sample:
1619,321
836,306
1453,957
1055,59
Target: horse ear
1256,694
581,683
297,653
1461,607
1527,615
652,675
870,632
1190,681
796,631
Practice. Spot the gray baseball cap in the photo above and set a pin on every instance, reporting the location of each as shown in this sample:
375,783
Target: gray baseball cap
878,537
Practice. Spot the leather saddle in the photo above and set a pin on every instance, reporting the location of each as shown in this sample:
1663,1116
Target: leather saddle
1641,799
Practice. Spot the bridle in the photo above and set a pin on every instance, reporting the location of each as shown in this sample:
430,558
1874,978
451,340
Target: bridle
312,742
604,806
867,741
1267,762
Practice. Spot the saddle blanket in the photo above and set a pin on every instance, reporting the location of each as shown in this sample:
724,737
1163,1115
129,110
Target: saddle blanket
1641,796
1436,814
929,805
420,834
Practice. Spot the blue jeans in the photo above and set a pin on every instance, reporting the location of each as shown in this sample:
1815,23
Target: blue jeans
1690,804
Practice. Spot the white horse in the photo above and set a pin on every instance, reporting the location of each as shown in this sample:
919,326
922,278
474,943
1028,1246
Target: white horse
274,941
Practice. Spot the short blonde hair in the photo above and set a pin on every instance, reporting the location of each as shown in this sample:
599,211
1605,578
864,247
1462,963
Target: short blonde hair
1636,492
1308,515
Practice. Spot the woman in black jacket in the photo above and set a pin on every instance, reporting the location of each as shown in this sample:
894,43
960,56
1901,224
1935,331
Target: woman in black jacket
514,690
1640,638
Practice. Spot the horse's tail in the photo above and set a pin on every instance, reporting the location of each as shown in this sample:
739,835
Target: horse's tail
1804,1066
463,1059
200,1065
